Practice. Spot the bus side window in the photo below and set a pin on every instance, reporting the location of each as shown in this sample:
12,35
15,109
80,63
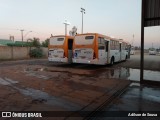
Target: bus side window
101,44
70,44
101,41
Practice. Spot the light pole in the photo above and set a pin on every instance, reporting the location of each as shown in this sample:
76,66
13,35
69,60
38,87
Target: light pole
83,12
22,34
22,30
66,23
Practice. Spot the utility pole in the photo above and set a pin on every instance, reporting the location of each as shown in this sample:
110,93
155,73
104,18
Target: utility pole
22,34
83,12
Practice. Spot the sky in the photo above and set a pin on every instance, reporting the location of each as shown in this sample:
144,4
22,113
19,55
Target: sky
116,18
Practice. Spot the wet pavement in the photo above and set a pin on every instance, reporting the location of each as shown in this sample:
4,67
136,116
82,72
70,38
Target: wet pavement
43,88
136,99
130,74
46,86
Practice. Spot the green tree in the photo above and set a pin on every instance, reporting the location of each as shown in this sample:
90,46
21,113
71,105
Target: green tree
37,51
35,42
45,43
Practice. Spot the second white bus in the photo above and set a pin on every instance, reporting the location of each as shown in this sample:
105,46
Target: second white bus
94,48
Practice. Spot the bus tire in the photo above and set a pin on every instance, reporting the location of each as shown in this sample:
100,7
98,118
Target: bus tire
112,61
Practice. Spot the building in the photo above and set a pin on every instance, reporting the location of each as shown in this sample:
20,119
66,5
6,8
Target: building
5,42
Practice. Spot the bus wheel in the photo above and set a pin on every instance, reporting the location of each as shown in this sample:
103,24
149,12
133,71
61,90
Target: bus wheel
112,61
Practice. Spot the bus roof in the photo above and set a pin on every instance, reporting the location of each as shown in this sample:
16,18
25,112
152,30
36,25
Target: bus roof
94,34
63,36
120,40
115,39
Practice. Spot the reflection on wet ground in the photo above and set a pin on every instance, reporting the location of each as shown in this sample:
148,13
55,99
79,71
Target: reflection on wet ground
119,73
7,81
128,74
136,98
72,88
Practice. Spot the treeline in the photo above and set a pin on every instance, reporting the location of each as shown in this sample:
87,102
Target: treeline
35,42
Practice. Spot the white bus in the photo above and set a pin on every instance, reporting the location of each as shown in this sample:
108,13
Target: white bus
60,49
94,48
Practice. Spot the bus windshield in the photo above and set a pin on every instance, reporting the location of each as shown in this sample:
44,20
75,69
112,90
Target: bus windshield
57,41
84,39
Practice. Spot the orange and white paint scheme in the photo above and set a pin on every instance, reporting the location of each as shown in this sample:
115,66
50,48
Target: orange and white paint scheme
94,48
60,49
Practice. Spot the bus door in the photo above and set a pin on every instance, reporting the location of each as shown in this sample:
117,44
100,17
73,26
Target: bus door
101,50
107,49
70,46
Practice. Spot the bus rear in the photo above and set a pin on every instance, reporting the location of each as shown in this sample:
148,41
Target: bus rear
60,49
84,49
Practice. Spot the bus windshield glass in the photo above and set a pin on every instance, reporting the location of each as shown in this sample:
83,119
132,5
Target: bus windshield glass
57,41
84,39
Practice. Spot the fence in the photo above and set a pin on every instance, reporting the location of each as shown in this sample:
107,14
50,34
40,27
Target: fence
12,52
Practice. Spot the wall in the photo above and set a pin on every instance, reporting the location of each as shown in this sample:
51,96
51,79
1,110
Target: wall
9,52
5,52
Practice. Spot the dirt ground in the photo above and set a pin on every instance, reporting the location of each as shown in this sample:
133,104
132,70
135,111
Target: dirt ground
37,85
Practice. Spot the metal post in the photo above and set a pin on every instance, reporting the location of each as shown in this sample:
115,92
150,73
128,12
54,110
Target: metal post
83,12
65,29
82,22
22,34
142,44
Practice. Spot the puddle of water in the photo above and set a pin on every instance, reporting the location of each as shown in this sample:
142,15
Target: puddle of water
137,99
120,73
146,93
7,81
31,72
135,84
38,76
129,74
148,75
